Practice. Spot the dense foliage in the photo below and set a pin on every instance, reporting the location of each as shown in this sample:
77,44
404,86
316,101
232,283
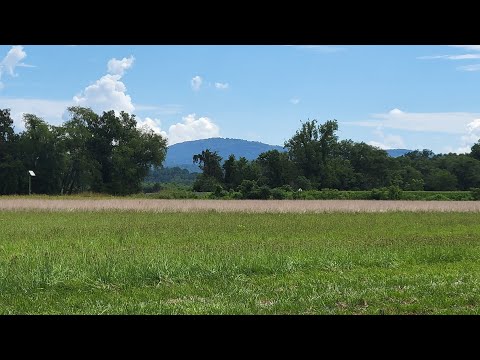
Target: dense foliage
89,152
107,153
316,160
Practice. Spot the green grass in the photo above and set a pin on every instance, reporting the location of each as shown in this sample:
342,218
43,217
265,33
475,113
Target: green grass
237,263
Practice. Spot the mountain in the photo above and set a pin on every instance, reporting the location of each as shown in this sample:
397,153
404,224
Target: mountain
181,154
397,152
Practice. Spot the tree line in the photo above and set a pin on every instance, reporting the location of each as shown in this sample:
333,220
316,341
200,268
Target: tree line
100,153
107,153
315,159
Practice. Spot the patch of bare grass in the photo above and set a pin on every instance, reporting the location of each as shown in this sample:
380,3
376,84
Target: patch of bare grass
249,206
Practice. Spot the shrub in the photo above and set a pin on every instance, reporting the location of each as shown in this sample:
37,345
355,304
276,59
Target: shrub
264,192
394,192
205,184
438,197
279,194
287,188
475,193
378,194
303,183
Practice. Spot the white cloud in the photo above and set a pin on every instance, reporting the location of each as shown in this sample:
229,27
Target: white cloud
221,86
446,122
12,60
471,137
118,67
196,82
472,67
108,92
151,124
387,141
50,110
295,100
463,124
451,57
192,129
468,47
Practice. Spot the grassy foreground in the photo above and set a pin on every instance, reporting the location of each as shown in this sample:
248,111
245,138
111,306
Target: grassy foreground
237,263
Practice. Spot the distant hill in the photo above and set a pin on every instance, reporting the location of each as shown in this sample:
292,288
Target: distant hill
397,152
181,154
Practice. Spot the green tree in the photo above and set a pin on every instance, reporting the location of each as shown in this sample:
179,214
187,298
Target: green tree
115,155
42,151
11,166
311,147
475,150
441,180
276,168
209,163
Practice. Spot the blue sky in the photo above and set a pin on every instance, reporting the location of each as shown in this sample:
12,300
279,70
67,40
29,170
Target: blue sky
389,96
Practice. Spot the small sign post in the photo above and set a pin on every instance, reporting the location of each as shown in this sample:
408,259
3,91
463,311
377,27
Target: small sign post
30,173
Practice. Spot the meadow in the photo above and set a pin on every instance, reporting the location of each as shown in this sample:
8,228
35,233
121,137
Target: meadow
210,262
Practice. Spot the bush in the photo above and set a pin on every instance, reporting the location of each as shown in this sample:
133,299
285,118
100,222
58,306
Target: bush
264,192
394,192
303,183
287,188
475,193
438,197
236,195
205,184
378,194
279,194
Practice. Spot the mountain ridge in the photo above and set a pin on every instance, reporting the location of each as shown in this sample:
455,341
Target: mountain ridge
180,154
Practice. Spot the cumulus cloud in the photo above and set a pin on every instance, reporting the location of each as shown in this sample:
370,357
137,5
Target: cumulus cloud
295,100
471,137
151,124
108,92
12,60
192,129
221,86
118,67
196,82
387,141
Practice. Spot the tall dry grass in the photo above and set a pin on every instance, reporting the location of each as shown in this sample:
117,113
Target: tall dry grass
257,206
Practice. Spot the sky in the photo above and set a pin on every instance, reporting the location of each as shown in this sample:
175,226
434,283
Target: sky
390,96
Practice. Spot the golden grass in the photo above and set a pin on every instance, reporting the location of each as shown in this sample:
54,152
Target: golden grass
260,206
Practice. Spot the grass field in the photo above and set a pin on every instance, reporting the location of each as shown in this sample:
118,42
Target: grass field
123,262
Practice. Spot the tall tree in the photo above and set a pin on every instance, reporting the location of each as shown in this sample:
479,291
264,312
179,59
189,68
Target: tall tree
11,166
42,151
475,150
311,147
209,163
